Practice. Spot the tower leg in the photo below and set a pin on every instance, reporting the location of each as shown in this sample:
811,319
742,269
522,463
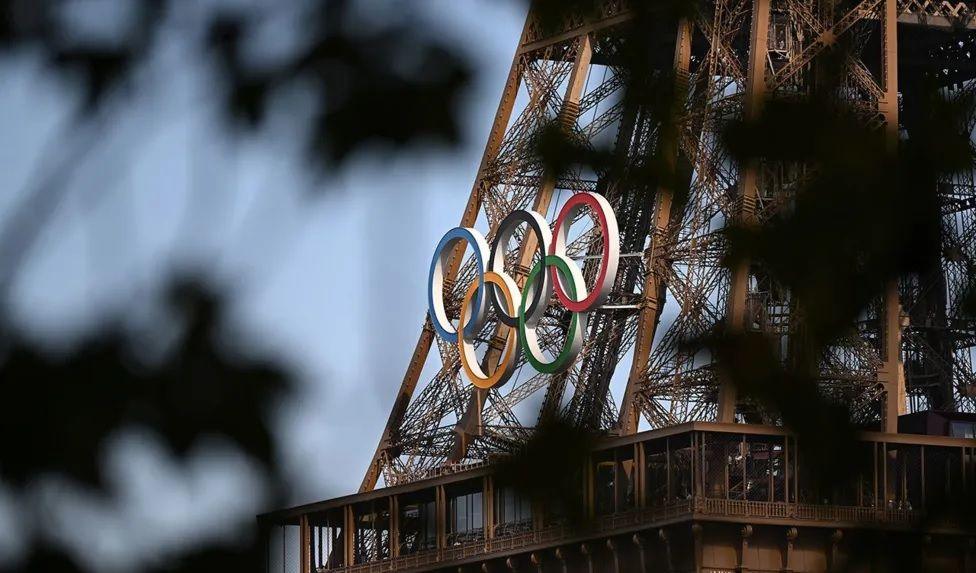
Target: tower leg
739,291
892,374
419,357
654,286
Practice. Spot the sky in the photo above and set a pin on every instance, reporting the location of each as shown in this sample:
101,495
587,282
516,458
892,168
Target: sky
335,285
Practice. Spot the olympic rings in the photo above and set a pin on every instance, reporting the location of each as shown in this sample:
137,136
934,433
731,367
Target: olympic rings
522,310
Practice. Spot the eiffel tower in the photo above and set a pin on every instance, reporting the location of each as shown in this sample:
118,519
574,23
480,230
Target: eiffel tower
914,352
688,474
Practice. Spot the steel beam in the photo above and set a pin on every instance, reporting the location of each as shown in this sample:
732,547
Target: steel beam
748,190
471,422
892,373
654,286
419,357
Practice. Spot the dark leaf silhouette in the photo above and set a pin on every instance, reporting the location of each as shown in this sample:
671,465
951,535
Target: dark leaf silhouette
547,467
59,411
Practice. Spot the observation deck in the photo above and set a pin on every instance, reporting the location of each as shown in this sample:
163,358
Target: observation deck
696,497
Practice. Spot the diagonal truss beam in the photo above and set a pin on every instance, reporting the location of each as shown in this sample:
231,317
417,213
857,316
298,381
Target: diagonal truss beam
419,357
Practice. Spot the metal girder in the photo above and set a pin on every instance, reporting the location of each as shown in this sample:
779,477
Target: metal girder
672,287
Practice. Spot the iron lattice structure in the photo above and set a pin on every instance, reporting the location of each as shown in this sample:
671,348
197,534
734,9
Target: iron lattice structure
913,350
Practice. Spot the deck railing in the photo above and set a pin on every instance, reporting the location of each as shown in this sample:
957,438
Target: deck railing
698,508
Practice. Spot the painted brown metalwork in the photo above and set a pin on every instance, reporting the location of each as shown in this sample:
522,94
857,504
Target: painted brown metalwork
756,509
915,352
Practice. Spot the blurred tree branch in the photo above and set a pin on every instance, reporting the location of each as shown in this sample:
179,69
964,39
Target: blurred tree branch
388,85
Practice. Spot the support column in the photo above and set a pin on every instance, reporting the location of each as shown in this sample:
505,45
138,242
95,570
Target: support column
614,555
791,535
668,493
737,313
350,535
662,534
305,541
640,473
745,559
641,554
394,506
835,557
488,511
587,554
561,557
440,506
892,373
654,287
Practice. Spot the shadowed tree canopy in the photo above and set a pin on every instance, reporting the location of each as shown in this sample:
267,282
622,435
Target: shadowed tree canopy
69,405
385,81
866,212
374,77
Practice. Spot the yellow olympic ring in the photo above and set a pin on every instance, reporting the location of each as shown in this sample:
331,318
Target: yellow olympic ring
469,360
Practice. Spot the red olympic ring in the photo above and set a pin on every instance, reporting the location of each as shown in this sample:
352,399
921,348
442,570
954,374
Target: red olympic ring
608,262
